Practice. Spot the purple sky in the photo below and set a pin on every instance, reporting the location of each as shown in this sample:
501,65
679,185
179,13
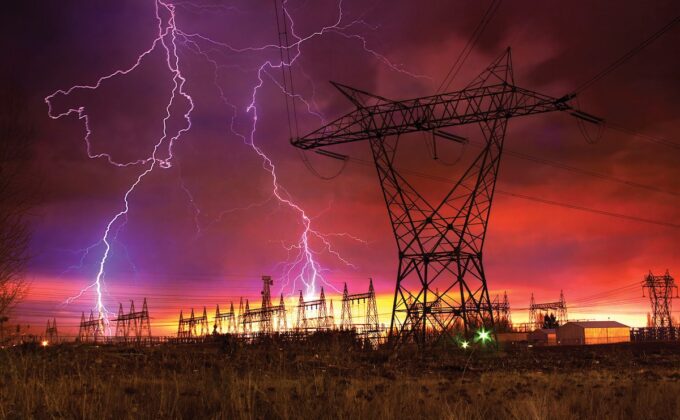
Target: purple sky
204,230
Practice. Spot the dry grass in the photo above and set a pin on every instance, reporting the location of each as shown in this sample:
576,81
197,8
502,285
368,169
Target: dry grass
338,380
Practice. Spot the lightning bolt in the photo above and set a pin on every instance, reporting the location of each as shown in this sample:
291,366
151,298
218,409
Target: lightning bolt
304,267
167,40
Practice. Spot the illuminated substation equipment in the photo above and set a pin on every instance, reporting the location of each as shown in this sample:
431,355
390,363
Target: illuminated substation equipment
360,303
267,318
440,244
313,315
188,328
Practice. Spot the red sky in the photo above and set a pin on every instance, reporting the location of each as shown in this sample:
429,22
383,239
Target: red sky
182,254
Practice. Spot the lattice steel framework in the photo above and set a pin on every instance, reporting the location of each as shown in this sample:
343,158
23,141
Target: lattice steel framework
225,317
320,322
92,328
369,325
440,244
188,327
538,310
265,316
134,323
51,332
660,290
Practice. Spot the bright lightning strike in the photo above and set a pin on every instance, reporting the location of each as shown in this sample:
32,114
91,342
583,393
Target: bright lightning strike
167,39
305,267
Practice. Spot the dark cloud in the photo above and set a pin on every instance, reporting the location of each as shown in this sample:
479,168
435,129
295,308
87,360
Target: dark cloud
556,46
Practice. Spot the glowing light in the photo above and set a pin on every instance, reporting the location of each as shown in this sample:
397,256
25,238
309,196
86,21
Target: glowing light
483,335
464,344
44,343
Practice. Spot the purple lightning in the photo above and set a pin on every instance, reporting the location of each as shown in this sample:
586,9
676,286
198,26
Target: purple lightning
167,38
304,267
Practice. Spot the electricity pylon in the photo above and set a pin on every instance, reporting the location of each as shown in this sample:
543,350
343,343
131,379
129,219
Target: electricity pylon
660,290
440,244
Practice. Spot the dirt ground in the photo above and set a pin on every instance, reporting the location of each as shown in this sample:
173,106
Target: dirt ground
335,378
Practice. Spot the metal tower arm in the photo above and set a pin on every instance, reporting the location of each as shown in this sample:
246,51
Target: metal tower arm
387,118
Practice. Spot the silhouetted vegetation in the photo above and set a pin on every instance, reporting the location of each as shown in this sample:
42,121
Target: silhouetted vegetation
550,321
17,197
331,377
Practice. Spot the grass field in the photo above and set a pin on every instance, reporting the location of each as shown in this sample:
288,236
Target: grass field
334,378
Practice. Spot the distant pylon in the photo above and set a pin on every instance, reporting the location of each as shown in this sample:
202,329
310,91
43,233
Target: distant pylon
232,327
181,326
660,290
245,319
217,325
282,322
372,321
506,309
121,324
301,320
265,312
241,325
192,324
562,316
51,333
322,316
346,314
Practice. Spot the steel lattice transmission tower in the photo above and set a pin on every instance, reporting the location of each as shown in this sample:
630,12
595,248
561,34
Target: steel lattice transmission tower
660,290
440,244
51,332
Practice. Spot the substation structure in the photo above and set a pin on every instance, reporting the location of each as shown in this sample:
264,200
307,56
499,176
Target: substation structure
369,326
538,311
134,326
51,331
359,314
440,244
92,329
661,290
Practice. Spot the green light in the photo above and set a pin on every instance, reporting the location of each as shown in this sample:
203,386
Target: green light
483,335
464,344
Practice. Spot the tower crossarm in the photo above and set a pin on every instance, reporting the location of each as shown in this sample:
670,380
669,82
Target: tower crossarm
471,105
358,296
550,305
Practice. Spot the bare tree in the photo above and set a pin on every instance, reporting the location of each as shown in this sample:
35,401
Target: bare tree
17,197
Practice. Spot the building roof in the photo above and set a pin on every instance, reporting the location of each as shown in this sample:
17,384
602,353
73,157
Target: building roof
543,331
598,324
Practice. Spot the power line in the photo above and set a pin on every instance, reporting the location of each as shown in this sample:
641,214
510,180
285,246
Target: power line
469,46
591,210
627,56
586,172
652,139
539,200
